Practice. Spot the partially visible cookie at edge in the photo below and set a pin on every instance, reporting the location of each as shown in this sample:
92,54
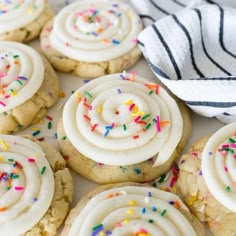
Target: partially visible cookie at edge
23,21
29,86
210,200
37,180
133,208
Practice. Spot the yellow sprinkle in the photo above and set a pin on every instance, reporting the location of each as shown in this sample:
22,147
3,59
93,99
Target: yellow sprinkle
1,158
139,113
35,128
191,200
41,122
174,189
13,93
132,203
135,109
99,109
30,10
4,145
129,14
130,211
101,233
126,221
128,102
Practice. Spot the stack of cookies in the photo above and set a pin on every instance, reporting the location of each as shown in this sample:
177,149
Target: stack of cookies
118,129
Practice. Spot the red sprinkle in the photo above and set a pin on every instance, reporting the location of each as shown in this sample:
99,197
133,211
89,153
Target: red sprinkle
49,118
136,137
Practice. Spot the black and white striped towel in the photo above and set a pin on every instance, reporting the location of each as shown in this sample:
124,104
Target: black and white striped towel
192,49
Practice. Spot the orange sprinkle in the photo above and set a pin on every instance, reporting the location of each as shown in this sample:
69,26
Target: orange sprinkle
164,123
62,94
3,209
16,62
177,204
105,41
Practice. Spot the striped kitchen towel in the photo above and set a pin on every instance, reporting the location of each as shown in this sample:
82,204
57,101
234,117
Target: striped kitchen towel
191,48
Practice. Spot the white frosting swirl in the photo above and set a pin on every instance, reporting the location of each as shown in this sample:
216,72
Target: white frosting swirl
95,31
219,166
21,74
26,185
132,210
119,121
15,14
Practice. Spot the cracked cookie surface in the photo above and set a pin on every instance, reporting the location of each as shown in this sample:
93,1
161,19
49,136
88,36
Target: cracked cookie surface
197,196
62,198
34,109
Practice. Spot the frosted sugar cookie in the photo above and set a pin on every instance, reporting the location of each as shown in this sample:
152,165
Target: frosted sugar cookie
28,86
92,38
35,187
207,180
131,209
122,128
23,20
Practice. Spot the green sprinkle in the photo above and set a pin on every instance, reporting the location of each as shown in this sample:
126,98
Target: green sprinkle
163,213
137,171
43,170
49,125
15,56
162,178
19,126
8,188
224,149
145,117
88,94
64,138
231,140
19,82
10,160
56,135
154,185
124,127
231,151
124,169
97,226
150,221
148,126
12,90
150,92
228,189
5,113
15,176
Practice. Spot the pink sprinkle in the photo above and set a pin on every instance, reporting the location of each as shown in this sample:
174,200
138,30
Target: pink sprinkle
19,188
3,74
118,224
173,179
131,107
31,160
7,96
233,145
136,119
195,154
158,127
67,44
3,104
92,10
226,169
113,124
225,145
93,127
48,29
98,19
134,41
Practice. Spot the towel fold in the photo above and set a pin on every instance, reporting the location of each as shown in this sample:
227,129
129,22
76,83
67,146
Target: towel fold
191,48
